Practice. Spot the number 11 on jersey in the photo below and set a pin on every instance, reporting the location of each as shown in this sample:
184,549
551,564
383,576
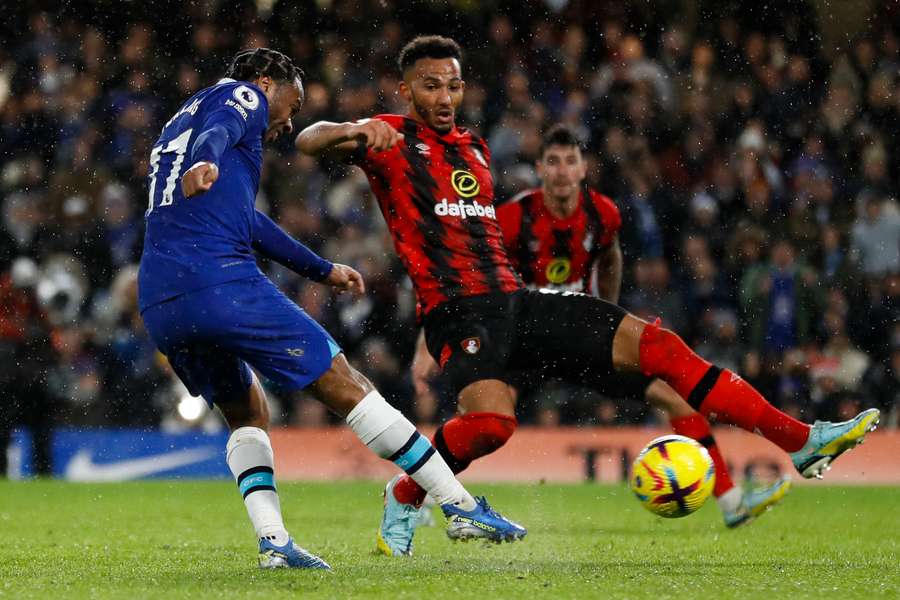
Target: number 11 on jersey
179,147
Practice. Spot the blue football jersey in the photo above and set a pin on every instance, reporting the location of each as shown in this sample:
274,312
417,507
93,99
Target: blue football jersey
193,243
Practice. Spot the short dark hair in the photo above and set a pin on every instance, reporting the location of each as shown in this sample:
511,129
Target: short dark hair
254,63
560,135
427,46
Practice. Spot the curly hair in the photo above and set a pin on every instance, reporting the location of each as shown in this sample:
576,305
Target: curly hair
427,46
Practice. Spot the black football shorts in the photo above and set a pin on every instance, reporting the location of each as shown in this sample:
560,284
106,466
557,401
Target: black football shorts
561,335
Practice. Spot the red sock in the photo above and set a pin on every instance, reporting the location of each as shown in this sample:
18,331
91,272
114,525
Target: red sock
408,491
696,427
714,392
459,441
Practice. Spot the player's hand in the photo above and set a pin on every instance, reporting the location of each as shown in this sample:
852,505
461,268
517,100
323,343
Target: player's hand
199,178
345,279
378,135
424,369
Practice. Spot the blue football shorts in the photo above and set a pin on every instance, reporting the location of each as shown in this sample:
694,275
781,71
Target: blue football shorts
210,336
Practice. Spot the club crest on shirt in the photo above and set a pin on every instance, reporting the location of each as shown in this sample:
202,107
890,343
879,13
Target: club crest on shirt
471,345
558,270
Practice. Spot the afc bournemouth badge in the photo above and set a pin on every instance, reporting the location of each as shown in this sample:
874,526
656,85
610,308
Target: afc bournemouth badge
471,345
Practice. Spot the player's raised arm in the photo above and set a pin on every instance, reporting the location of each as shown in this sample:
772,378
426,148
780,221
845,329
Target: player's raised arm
221,131
325,136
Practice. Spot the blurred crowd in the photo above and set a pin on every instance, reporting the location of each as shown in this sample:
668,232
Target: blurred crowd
756,171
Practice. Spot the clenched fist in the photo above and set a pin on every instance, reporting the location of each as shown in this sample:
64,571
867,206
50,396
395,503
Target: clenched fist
377,134
199,178
345,279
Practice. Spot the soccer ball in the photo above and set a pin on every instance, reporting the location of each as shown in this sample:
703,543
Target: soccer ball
673,476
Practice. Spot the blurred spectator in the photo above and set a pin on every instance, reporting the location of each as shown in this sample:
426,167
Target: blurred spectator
876,237
27,355
779,302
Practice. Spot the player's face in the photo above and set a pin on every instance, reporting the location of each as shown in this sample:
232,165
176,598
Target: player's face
285,100
561,169
434,89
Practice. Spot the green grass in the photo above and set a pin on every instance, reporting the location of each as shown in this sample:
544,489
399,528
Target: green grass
178,540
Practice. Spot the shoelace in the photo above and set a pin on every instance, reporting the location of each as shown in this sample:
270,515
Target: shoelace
483,503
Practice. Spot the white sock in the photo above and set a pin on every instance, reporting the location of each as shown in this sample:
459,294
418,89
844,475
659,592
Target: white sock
730,501
250,458
390,435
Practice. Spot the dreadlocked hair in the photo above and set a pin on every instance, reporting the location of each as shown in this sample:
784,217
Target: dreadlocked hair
253,63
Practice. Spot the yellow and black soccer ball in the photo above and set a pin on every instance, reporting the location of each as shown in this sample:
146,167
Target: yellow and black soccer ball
673,476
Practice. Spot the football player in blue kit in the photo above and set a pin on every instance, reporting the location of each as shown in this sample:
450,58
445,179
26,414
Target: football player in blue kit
214,314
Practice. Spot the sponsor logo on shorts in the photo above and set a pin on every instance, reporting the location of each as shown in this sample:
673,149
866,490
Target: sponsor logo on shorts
462,209
464,183
471,345
558,270
298,352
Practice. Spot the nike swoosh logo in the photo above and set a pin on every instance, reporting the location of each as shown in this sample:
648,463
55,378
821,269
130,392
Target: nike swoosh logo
83,468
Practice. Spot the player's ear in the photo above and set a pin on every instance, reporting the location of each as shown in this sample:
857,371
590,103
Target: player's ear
405,91
265,83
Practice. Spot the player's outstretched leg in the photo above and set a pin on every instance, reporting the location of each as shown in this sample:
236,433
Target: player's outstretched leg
251,460
389,434
738,505
725,395
480,431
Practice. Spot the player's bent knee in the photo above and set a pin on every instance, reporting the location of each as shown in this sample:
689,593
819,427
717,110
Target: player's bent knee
660,347
487,396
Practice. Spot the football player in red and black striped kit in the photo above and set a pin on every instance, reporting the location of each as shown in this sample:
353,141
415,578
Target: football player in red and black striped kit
564,235
434,187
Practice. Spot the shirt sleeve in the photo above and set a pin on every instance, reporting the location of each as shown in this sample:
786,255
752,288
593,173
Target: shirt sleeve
612,219
272,241
362,155
509,216
238,113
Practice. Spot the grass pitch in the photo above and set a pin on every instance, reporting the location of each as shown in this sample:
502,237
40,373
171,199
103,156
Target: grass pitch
180,540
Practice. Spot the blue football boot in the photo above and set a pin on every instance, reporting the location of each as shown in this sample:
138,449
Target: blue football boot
481,522
828,440
398,524
289,556
755,501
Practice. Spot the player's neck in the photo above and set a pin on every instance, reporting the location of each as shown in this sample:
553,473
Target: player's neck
561,208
